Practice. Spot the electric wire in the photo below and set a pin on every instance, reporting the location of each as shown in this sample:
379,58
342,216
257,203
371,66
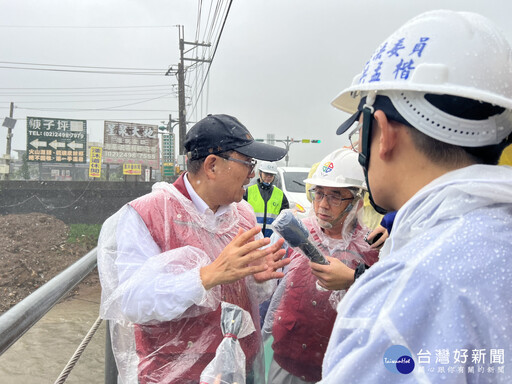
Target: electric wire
134,73
80,66
212,32
213,55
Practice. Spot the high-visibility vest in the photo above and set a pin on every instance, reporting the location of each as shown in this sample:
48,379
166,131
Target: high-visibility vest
265,213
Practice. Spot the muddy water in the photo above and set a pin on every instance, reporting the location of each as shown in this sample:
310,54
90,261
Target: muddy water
43,352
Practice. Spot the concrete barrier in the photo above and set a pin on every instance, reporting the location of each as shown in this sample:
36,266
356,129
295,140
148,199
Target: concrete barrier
84,202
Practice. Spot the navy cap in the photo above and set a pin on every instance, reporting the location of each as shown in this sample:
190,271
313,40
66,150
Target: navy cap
220,133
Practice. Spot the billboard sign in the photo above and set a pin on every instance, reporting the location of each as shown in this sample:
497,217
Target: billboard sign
56,140
132,169
95,162
131,143
168,169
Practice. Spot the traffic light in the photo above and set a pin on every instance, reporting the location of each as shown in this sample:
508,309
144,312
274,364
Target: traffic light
316,141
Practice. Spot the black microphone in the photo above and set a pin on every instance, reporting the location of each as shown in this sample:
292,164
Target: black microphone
296,235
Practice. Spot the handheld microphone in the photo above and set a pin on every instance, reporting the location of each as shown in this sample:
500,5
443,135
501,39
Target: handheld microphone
296,235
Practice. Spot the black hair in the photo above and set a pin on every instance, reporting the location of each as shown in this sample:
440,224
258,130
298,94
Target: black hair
194,166
443,153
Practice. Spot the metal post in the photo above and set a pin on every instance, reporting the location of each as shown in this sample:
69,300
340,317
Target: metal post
8,146
287,144
181,94
110,362
287,150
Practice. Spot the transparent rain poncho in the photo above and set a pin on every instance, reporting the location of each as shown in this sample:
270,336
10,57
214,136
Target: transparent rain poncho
441,289
165,326
301,316
228,366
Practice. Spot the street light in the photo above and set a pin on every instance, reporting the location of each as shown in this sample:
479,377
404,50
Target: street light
287,142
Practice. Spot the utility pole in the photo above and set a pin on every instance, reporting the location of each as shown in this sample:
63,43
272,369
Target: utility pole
287,144
182,117
8,145
182,114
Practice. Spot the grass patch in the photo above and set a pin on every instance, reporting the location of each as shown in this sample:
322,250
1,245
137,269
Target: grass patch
84,233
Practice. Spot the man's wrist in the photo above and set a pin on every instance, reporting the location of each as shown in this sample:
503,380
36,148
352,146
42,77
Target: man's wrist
204,274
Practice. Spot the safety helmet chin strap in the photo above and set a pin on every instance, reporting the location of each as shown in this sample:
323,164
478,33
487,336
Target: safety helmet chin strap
364,155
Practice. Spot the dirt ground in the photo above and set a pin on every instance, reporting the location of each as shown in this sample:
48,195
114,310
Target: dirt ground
33,249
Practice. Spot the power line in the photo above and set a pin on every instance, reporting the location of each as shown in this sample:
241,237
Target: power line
80,66
213,55
94,94
85,26
74,101
119,118
212,32
81,71
89,109
113,87
96,109
198,23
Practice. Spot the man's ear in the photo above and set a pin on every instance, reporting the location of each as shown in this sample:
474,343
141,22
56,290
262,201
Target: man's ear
388,134
209,166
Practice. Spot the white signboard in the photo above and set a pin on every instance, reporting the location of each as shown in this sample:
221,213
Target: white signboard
131,143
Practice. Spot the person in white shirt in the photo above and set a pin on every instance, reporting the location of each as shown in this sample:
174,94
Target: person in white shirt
168,259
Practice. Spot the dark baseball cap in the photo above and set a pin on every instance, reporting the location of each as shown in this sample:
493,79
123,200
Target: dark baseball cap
220,133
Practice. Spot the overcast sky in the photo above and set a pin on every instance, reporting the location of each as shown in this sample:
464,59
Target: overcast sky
278,65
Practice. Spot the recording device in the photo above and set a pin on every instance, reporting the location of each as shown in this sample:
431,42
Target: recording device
377,237
296,235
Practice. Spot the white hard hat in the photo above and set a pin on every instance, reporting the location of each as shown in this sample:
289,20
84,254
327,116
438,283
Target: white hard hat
441,52
268,167
339,169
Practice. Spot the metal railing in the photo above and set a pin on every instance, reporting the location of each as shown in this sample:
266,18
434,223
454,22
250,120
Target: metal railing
19,319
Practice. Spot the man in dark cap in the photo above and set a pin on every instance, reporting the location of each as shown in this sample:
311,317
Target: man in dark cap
168,259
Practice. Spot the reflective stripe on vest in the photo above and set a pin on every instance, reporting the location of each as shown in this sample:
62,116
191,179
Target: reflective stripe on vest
271,210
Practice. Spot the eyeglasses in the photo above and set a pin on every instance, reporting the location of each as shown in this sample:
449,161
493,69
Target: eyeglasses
249,164
333,200
353,137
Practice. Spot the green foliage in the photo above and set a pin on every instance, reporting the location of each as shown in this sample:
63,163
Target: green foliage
84,233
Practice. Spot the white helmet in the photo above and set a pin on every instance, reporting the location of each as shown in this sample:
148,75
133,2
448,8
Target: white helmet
339,169
441,52
268,167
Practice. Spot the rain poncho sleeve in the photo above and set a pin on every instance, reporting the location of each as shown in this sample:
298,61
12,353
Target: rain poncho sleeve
440,293
165,325
155,285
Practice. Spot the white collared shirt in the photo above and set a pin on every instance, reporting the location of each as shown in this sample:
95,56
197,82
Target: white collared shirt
199,203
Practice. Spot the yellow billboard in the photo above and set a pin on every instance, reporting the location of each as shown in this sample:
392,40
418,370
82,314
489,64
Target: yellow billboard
132,169
95,162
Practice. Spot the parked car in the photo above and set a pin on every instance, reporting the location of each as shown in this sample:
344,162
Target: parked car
291,181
